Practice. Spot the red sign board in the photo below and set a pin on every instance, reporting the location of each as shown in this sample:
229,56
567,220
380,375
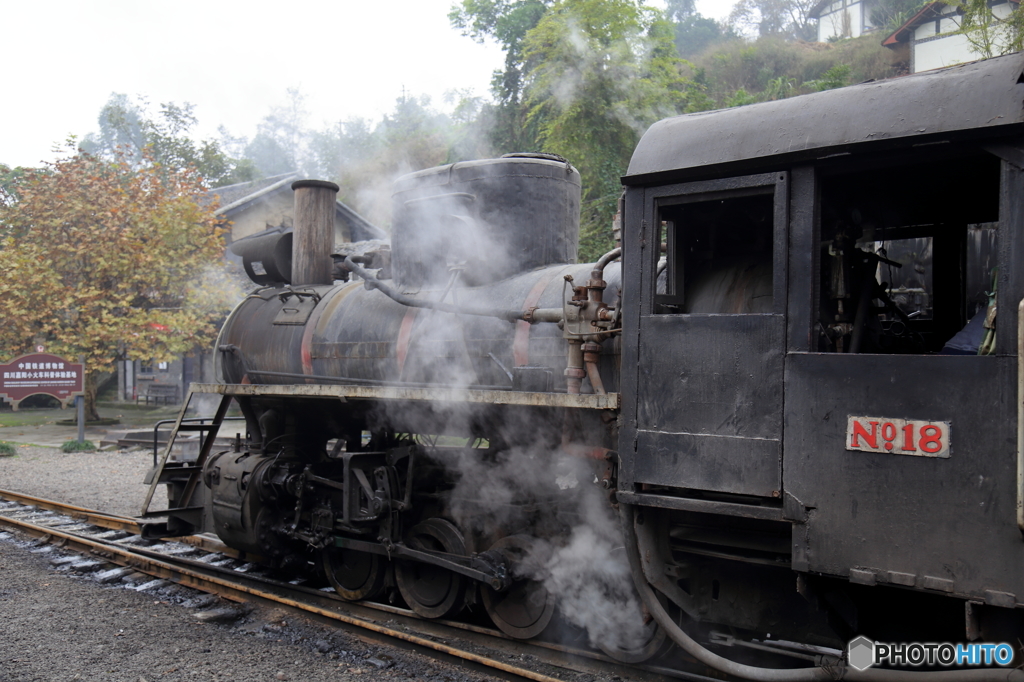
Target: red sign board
898,436
41,373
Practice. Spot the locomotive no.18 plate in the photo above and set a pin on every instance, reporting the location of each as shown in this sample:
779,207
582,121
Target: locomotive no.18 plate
898,436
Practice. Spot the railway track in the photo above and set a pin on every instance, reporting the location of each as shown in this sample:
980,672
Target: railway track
206,564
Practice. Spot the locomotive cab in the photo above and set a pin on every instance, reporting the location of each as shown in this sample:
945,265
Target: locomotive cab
821,385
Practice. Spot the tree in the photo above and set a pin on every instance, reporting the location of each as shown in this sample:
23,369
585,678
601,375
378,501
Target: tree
280,142
601,71
889,15
990,34
129,132
782,18
106,259
694,33
507,22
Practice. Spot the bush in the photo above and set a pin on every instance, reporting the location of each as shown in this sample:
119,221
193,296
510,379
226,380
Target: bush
75,446
7,449
737,72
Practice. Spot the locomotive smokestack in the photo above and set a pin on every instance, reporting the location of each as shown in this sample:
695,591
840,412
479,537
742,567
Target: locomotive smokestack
313,240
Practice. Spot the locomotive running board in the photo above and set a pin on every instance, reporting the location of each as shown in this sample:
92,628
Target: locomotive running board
607,401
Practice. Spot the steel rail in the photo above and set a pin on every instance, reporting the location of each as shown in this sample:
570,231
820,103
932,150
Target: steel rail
196,575
123,523
103,520
236,590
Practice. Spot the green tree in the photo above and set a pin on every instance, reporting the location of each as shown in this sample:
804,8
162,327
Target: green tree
129,132
889,15
107,259
836,77
782,18
694,33
9,178
279,145
364,159
601,71
507,22
990,34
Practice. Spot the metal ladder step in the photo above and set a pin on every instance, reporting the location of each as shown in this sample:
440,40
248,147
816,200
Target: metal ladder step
196,470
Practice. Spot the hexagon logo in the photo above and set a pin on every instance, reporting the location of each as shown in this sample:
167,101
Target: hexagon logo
860,653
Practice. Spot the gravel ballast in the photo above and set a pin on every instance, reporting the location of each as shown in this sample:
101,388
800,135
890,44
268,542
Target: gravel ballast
59,622
105,481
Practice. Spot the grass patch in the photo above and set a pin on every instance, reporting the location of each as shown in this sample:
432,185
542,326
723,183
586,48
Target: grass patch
7,449
32,417
75,446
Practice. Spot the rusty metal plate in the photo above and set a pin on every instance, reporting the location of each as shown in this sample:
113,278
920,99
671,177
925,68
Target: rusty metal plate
608,401
296,311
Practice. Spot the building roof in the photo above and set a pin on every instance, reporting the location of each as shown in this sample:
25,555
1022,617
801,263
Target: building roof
930,12
893,113
230,194
242,196
815,12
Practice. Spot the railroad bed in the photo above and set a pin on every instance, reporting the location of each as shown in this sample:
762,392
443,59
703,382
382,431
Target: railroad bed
59,623
107,548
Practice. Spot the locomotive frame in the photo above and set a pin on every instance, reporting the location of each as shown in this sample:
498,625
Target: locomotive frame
745,434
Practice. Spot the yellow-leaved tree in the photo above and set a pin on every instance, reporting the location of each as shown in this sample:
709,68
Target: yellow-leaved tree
107,259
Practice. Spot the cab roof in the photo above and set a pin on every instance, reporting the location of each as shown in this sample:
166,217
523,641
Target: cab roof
973,99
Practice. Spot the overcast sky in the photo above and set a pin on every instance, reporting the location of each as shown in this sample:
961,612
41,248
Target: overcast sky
233,60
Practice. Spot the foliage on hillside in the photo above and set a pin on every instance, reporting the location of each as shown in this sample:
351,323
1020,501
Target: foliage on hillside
771,68
600,72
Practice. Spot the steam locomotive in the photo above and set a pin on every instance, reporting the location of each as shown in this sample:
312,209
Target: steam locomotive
788,394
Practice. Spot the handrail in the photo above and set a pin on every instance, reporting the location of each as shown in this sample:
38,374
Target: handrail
156,429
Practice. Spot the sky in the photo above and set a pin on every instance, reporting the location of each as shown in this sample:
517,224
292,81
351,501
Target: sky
233,60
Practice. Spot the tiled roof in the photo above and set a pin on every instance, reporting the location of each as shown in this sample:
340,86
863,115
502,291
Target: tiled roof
233,197
239,197
929,12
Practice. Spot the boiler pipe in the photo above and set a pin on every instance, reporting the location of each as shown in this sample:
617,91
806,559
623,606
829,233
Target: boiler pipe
461,309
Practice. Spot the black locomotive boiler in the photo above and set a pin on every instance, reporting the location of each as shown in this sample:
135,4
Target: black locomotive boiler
799,394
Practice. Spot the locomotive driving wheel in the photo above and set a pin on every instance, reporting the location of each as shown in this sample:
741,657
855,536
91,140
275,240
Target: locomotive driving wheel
354,575
653,641
432,591
524,609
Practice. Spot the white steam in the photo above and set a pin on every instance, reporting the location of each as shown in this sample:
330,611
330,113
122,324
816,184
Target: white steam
530,488
584,568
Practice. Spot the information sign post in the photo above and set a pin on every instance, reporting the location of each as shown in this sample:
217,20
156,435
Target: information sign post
46,374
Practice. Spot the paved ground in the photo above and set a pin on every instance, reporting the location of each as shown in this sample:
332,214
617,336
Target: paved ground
39,427
52,435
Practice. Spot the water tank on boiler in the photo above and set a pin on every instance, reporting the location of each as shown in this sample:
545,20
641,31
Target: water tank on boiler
489,219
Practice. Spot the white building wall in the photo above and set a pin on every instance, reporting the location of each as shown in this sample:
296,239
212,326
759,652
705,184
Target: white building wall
844,20
931,50
924,31
945,51
831,25
1003,11
856,12
948,25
